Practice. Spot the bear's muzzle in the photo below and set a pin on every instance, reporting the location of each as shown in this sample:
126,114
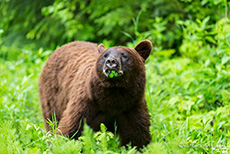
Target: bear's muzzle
112,67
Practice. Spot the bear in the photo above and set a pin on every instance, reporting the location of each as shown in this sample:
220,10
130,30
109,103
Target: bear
83,82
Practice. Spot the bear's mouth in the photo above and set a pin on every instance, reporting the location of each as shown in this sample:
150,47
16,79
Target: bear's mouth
112,73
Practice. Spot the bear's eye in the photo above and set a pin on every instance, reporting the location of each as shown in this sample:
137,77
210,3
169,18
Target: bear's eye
106,55
124,56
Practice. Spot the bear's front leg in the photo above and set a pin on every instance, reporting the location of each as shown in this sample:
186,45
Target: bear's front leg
71,123
133,127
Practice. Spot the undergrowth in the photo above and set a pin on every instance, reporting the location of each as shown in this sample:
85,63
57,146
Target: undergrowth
187,95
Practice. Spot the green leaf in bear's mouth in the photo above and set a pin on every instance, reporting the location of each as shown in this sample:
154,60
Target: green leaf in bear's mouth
113,74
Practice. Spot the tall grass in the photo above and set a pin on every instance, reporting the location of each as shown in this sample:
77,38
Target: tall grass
177,126
187,96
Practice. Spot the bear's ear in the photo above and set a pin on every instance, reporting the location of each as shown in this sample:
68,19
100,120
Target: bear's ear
144,48
101,48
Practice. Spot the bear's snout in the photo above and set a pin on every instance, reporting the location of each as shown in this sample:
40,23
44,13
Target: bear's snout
111,63
112,67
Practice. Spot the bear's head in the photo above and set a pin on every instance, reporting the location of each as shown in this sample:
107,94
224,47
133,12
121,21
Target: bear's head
119,65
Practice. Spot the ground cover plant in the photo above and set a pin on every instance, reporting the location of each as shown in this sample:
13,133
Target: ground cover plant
188,72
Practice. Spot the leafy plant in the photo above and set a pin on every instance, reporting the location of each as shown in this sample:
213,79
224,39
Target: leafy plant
188,72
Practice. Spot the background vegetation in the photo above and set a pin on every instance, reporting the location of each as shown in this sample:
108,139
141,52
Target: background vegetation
188,72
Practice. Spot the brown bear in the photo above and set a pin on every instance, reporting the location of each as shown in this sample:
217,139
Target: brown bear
83,81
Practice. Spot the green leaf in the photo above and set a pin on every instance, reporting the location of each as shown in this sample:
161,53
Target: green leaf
111,75
225,59
221,123
173,100
103,128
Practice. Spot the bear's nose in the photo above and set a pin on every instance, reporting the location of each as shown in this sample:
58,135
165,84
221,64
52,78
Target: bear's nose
111,62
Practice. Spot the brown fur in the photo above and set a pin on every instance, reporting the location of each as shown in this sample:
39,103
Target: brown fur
73,86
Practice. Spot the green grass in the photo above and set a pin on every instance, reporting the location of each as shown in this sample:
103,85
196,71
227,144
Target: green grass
188,102
187,90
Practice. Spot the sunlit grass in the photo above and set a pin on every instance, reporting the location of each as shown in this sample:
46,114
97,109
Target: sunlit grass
183,118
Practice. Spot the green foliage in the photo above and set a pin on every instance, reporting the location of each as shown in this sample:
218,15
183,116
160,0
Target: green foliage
62,145
113,74
55,22
188,72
